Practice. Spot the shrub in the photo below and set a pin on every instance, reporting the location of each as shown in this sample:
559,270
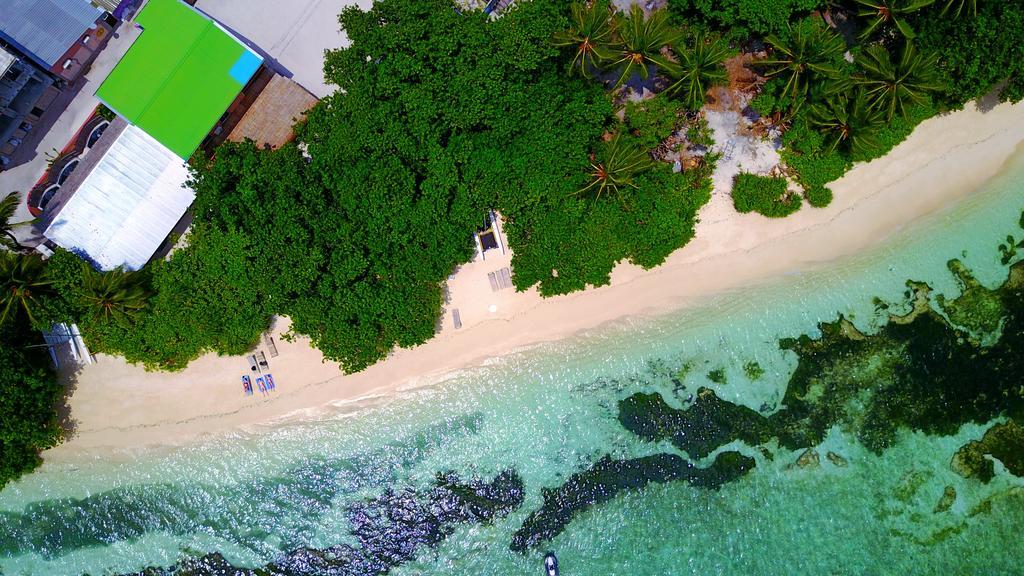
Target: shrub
652,121
818,196
898,130
29,394
765,195
764,104
740,17
805,153
106,113
977,52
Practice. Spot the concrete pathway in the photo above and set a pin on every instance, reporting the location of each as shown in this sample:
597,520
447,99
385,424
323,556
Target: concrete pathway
293,33
22,178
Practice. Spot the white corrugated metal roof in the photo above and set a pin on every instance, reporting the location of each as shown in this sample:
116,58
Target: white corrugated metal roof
46,28
6,59
127,205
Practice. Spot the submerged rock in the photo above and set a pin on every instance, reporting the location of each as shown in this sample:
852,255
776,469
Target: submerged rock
978,311
946,500
836,459
389,530
910,483
808,460
704,426
1004,442
607,478
918,372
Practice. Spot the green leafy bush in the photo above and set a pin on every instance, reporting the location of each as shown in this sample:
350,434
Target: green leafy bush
898,130
106,113
818,196
976,52
652,121
765,195
764,104
29,394
741,17
815,165
208,297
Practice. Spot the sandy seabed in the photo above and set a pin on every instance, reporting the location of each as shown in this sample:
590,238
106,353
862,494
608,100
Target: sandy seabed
118,408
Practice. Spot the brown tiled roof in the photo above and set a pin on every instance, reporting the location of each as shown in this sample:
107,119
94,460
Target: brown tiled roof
270,118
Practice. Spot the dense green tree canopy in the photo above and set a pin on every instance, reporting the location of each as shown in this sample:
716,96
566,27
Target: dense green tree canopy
206,298
977,50
743,17
29,393
441,117
444,114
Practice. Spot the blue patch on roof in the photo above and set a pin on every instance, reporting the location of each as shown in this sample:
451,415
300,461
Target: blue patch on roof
245,67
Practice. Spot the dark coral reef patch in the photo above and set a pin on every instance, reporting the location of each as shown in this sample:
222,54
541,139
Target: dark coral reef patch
918,372
608,478
389,530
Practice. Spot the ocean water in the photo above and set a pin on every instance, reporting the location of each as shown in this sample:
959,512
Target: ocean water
361,482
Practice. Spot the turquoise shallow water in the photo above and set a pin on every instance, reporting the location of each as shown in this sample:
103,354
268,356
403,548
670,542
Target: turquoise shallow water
552,411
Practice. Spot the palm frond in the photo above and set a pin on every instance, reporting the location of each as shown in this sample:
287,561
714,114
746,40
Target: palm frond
809,52
698,69
640,41
893,85
615,164
590,34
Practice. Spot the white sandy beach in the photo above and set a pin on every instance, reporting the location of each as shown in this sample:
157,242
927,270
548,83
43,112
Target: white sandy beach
121,407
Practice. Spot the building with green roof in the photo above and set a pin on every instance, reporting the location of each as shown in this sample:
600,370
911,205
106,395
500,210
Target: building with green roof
171,88
179,76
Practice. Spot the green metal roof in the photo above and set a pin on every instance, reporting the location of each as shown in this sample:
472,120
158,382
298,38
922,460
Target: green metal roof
179,76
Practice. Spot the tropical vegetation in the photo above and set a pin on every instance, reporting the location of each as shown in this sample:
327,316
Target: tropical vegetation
886,13
8,208
29,397
443,115
698,67
806,56
767,195
29,391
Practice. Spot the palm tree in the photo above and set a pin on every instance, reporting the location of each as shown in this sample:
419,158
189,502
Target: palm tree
810,51
850,122
614,165
591,33
892,85
698,69
890,12
115,295
22,278
957,6
8,207
640,42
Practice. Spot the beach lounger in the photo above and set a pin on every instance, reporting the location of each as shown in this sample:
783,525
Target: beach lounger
252,364
262,386
262,359
456,318
270,382
247,385
271,345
